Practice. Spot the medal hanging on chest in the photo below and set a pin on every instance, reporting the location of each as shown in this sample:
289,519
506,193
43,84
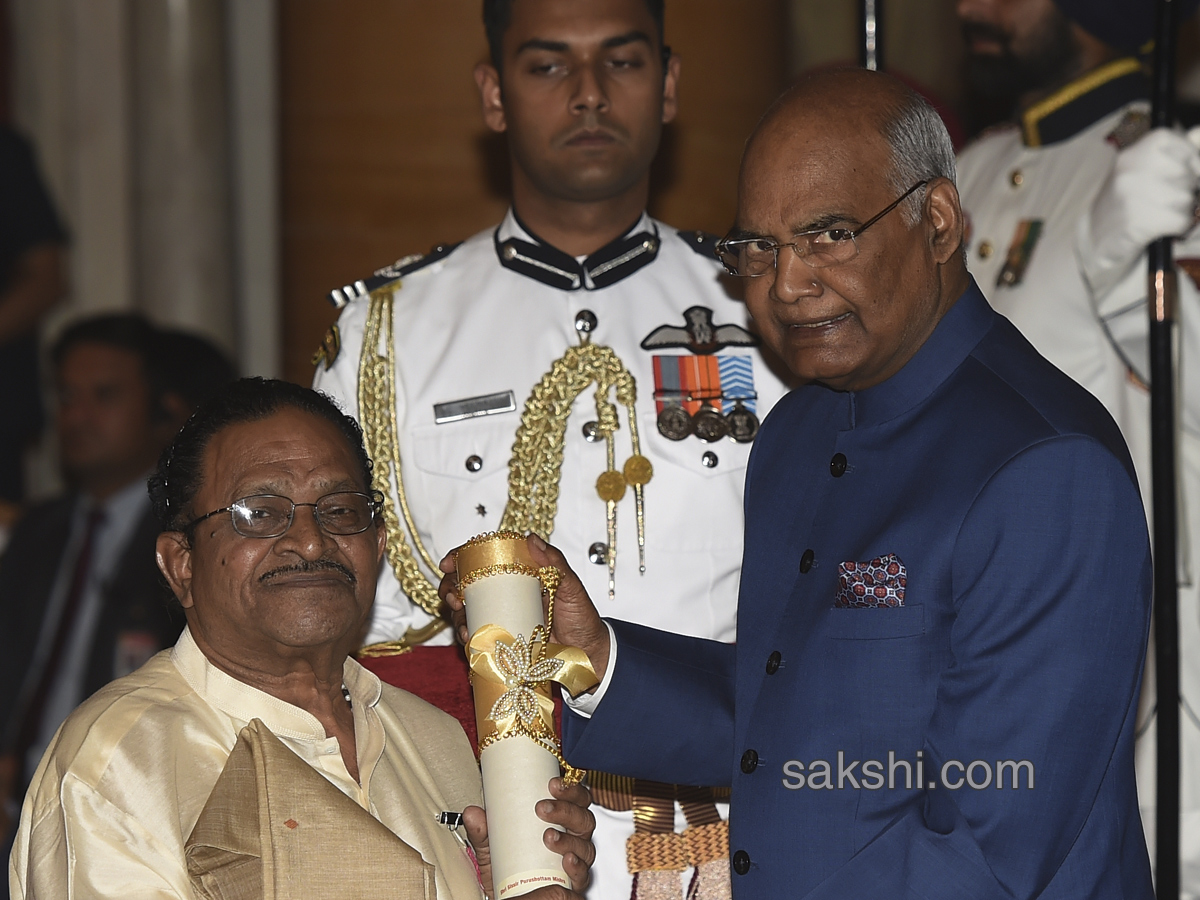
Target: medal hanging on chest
709,396
1020,251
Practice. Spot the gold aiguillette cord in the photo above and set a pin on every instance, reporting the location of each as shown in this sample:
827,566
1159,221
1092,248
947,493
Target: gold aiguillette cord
535,469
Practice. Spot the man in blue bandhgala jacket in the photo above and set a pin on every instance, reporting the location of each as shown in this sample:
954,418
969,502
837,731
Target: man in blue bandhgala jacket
945,594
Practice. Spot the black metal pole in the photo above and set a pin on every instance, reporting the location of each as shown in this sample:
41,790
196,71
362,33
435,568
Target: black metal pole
870,19
1162,443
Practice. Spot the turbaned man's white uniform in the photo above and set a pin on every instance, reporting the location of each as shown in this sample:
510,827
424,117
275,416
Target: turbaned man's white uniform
476,327
1027,191
121,786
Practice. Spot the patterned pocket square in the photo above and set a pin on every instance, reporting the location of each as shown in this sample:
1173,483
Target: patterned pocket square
870,585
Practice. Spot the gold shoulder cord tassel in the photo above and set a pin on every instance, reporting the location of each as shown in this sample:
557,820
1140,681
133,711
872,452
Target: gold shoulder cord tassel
377,413
537,456
534,470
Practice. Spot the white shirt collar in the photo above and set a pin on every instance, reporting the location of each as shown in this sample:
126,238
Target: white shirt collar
243,702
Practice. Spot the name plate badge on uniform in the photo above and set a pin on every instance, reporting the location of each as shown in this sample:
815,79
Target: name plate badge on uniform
473,407
709,396
1019,252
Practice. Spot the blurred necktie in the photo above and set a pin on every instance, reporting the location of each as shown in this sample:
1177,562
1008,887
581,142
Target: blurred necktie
32,716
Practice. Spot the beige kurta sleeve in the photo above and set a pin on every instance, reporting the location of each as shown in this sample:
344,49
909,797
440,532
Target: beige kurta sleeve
85,847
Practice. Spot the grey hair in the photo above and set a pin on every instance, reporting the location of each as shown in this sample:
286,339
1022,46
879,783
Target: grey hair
921,151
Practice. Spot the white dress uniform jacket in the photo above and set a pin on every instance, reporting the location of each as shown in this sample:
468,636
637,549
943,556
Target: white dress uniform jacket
1027,191
490,317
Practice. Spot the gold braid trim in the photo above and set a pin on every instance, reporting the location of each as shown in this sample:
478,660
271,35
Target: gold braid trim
611,791
616,792
706,843
547,742
377,414
470,578
537,455
698,804
535,469
646,850
654,847
650,851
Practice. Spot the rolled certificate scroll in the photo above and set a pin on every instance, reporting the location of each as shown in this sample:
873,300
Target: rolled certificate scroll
512,665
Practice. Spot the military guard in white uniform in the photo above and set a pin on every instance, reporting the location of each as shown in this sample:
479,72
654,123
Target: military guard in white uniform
1061,205
580,370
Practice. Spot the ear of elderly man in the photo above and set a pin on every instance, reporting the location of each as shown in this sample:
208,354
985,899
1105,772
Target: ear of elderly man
257,751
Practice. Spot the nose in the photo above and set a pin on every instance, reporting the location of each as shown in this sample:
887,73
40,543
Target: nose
589,94
306,538
794,278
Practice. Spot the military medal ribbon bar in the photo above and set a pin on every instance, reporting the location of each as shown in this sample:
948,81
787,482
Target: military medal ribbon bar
709,396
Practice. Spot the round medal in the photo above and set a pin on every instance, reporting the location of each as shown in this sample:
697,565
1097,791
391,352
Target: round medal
743,424
709,424
674,423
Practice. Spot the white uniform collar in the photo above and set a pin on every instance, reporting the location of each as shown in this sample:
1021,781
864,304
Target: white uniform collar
523,252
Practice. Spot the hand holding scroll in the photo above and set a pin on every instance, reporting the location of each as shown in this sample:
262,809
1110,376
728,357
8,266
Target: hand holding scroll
507,596
569,811
576,621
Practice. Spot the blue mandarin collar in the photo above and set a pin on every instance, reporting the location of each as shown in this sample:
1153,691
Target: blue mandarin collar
955,337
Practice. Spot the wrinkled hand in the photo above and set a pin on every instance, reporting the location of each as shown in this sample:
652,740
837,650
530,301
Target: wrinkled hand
576,621
1150,194
568,810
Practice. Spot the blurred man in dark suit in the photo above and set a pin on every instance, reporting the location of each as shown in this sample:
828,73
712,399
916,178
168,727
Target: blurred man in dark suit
81,599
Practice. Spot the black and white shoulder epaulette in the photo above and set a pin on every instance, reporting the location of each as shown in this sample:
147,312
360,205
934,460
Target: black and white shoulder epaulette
702,242
406,265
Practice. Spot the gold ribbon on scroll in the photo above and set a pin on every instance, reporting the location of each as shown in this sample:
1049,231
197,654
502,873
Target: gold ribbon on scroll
511,678
512,663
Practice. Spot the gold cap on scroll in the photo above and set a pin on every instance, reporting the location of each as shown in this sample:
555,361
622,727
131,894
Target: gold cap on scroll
496,548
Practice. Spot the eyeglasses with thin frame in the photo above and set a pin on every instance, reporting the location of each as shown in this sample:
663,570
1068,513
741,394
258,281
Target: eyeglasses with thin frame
271,515
751,257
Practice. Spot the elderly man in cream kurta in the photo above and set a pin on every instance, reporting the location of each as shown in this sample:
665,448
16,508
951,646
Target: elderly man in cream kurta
255,758
111,808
